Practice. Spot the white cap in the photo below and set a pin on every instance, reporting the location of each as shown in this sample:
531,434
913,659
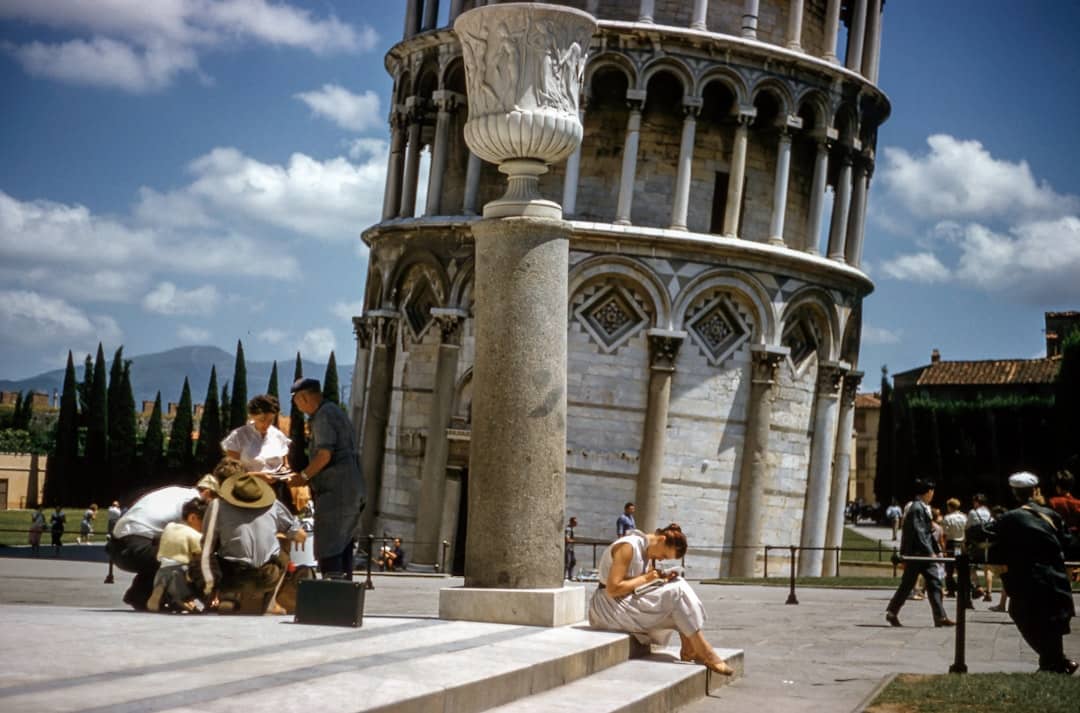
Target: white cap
1023,480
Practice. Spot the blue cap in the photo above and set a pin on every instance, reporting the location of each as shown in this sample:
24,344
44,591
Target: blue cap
305,384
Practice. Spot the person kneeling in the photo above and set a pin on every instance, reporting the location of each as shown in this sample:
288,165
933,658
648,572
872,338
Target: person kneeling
181,543
243,563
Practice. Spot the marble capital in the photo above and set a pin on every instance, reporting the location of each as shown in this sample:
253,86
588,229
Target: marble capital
450,322
852,381
382,326
360,329
664,345
765,361
830,376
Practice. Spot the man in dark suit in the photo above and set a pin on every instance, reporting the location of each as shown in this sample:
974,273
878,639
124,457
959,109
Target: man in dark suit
1030,541
917,540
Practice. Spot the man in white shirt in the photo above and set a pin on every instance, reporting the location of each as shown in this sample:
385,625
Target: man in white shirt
980,515
134,543
954,523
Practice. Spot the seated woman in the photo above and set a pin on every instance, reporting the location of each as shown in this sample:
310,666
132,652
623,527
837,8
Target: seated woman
261,447
629,563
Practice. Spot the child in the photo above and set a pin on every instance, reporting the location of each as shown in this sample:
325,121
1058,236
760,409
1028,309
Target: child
181,542
86,527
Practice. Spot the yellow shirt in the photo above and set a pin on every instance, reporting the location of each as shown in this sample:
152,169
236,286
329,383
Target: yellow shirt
179,543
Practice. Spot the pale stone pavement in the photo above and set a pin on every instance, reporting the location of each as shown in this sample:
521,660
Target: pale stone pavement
825,654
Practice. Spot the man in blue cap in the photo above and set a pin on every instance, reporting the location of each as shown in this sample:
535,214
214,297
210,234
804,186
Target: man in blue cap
1030,541
333,474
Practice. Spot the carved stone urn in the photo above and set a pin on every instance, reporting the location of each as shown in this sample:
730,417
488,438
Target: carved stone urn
524,64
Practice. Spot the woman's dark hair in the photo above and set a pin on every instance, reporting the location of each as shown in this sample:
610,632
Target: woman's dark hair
674,537
263,403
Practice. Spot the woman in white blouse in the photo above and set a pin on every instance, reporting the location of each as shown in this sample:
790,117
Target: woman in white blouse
258,444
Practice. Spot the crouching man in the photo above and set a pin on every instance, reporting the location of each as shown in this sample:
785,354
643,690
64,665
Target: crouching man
243,562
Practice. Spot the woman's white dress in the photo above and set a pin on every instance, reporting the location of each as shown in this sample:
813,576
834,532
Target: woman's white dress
258,453
653,616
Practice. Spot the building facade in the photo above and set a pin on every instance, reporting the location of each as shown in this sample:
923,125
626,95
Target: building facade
716,205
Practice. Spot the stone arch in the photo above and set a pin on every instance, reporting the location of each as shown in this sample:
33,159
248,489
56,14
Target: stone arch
779,91
847,123
403,88
609,60
729,78
637,273
671,65
453,77
418,283
427,78
810,323
813,105
461,290
373,290
461,411
735,300
852,336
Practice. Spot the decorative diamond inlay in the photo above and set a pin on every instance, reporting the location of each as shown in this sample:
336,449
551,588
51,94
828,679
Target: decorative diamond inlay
418,309
611,317
719,329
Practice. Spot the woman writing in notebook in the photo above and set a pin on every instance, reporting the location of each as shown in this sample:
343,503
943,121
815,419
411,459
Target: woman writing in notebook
636,597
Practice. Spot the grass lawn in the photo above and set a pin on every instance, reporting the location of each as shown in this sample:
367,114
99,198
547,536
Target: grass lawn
15,524
800,582
854,546
980,693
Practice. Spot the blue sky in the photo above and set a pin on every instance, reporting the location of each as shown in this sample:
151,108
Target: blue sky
197,171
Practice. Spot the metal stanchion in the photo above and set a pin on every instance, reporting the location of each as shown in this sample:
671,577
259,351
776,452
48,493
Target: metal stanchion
445,551
368,584
766,561
963,596
791,598
837,561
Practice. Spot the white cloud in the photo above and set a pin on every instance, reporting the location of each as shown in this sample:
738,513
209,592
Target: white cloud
961,180
272,336
318,343
140,46
347,310
167,299
1037,261
917,267
355,112
193,335
32,319
880,335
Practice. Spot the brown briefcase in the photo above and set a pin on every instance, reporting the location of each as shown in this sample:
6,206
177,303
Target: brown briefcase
333,602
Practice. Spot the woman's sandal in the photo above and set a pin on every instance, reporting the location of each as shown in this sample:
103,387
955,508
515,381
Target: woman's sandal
718,666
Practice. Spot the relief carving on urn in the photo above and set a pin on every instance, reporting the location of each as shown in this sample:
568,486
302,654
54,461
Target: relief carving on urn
524,64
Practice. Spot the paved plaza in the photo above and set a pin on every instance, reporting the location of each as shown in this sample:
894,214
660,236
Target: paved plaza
75,638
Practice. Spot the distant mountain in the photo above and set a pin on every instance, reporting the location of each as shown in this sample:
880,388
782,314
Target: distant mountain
165,372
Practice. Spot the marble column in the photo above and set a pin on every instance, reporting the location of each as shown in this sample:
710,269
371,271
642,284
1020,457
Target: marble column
663,351
636,99
447,103
681,204
755,472
832,31
412,18
431,14
857,215
472,185
455,9
841,470
736,177
647,9
358,393
780,187
794,27
750,19
816,510
841,207
700,17
433,472
413,107
817,194
382,326
395,164
856,36
872,43
573,170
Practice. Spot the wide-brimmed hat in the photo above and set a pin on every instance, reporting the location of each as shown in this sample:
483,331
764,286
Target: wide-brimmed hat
246,491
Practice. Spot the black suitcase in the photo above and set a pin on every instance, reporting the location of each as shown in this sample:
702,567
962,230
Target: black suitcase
333,602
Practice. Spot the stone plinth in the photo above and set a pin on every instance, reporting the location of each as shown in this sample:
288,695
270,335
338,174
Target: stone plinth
528,607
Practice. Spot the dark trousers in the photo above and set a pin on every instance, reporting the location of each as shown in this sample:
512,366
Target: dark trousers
138,554
1042,633
912,570
570,561
339,566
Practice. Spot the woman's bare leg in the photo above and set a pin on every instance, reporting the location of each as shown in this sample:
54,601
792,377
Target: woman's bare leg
686,653
708,656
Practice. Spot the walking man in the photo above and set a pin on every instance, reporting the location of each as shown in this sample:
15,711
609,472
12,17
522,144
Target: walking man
917,540
625,523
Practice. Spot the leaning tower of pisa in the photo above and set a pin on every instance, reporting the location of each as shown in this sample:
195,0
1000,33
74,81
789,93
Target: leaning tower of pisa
717,205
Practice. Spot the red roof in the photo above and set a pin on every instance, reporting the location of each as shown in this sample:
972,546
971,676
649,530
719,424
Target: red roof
991,372
867,401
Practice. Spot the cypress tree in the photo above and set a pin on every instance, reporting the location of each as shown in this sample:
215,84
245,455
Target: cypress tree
330,389
27,415
152,447
63,460
17,413
180,455
96,475
238,405
87,386
113,406
225,408
298,458
122,435
208,449
884,483
272,387
1067,400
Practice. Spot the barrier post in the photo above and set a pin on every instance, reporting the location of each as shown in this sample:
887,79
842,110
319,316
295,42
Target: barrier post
368,584
445,552
963,596
791,598
837,561
766,561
